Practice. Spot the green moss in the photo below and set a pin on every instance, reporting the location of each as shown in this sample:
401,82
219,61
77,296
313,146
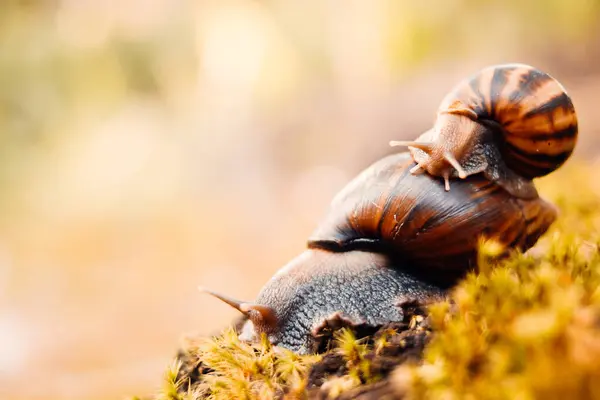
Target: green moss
526,326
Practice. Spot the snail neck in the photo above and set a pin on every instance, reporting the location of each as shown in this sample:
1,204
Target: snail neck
455,147
447,149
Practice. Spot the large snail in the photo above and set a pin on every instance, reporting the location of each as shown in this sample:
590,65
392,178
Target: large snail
392,236
387,233
320,289
512,122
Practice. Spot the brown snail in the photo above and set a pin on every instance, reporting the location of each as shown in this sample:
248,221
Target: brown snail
387,235
511,122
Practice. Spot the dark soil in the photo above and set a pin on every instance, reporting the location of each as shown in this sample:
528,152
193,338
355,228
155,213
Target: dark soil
405,343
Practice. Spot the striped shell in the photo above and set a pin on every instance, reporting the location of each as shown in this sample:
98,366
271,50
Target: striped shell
535,112
512,122
389,210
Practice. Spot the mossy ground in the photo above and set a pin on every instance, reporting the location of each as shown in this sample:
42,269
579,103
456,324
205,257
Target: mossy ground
519,328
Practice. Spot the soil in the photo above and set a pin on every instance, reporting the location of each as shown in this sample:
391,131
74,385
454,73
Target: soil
406,341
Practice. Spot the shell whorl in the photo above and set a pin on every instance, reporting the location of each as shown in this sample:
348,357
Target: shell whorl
536,115
389,210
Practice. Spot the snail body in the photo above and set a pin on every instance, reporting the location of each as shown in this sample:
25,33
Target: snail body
388,233
511,122
320,290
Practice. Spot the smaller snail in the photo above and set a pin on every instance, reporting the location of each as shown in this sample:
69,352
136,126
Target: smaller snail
511,122
390,237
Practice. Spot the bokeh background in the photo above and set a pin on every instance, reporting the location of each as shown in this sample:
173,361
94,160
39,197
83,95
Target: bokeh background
148,146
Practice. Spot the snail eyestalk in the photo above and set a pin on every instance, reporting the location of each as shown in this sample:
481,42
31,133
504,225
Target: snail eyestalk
417,169
427,147
447,181
263,317
454,162
237,304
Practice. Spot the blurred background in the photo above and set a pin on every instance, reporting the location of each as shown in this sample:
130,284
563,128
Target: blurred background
147,147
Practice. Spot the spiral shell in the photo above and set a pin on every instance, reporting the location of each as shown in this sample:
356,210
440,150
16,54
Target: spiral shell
512,122
537,116
389,210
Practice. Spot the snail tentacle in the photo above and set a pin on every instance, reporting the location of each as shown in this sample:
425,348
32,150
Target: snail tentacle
454,162
425,146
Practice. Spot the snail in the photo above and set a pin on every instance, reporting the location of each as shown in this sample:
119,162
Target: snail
387,236
511,122
319,290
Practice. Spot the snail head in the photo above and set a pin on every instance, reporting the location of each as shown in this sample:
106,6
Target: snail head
441,150
263,318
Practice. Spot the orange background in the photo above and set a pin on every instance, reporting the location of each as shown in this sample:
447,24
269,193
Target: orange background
147,147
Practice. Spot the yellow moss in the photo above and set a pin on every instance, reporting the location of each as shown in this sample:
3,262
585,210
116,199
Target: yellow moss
530,326
248,371
522,327
354,352
337,386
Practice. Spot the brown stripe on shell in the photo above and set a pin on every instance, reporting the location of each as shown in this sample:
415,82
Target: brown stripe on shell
537,116
424,224
538,216
480,101
543,219
559,120
518,240
527,217
472,94
507,232
497,86
546,88
529,83
541,158
538,164
365,217
506,109
547,109
390,215
538,150
568,133
560,100
485,190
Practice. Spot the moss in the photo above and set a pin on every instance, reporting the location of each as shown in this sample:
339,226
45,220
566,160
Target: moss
222,367
526,326
225,368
